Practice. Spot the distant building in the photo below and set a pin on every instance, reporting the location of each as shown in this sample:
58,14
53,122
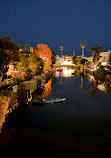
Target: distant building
68,58
67,61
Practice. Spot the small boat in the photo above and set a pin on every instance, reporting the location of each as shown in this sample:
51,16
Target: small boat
49,101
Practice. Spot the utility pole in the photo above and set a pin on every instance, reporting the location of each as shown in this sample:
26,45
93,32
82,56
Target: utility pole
73,53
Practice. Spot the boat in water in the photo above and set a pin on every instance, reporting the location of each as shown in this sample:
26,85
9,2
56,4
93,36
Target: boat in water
49,101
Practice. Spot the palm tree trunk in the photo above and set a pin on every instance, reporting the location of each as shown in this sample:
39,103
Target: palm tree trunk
82,52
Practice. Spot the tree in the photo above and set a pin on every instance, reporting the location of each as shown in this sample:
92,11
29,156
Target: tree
25,48
95,53
83,45
3,63
23,63
44,52
8,52
7,44
53,57
36,64
74,59
83,61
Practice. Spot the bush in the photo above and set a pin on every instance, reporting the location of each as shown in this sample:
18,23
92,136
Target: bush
17,80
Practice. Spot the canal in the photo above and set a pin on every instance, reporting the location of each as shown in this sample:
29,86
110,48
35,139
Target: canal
79,127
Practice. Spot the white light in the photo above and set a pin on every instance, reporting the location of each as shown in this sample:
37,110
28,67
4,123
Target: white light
67,73
104,63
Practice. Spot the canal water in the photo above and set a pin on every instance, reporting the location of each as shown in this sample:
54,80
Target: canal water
79,127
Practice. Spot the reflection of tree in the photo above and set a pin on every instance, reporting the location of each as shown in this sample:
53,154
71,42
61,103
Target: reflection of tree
81,85
47,90
107,86
4,103
93,90
54,80
8,101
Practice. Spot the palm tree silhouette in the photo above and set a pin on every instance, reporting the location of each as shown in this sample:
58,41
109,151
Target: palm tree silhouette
95,52
61,48
83,45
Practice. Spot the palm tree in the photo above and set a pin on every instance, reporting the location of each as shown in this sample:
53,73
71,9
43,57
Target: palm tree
61,48
83,45
95,53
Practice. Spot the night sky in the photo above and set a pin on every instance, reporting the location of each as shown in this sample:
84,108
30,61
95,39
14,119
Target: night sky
57,22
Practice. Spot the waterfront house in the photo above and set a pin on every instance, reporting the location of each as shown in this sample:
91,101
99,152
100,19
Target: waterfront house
105,58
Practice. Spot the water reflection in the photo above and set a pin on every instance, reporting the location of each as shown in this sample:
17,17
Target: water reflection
103,86
81,124
47,90
81,85
9,99
8,102
64,73
95,83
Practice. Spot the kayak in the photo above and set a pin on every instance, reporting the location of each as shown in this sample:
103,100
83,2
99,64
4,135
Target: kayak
49,101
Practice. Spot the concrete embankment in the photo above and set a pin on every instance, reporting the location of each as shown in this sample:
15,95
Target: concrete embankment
26,88
43,77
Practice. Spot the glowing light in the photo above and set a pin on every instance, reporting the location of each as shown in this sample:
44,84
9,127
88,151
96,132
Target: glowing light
67,73
64,73
104,63
67,63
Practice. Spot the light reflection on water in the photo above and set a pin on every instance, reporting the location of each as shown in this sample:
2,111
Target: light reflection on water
65,73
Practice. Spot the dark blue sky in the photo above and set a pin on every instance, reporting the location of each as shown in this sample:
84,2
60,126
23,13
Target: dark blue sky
57,22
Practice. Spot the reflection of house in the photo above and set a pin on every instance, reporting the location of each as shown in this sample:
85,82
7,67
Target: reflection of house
101,87
104,57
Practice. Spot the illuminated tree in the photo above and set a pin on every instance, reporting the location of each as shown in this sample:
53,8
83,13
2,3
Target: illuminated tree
23,63
25,48
44,52
36,64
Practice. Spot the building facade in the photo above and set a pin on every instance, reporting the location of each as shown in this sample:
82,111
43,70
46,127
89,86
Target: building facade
105,57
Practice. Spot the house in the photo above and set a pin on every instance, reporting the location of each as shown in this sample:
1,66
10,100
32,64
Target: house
104,58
